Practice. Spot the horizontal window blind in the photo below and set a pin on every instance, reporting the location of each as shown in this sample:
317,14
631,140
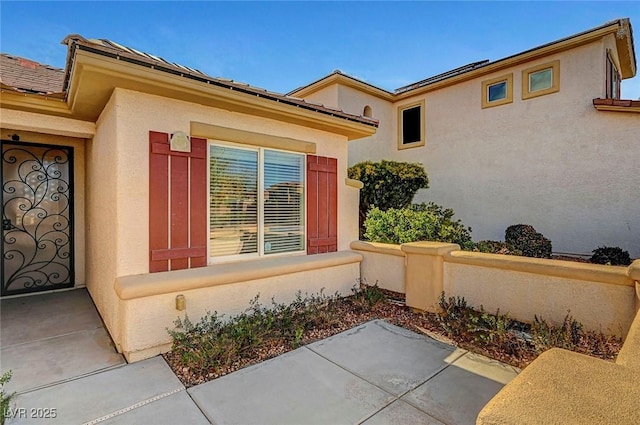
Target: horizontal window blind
233,201
283,202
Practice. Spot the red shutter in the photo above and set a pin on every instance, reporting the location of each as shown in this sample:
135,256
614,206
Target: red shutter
322,204
177,205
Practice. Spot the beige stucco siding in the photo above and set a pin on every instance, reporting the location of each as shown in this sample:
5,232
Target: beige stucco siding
327,96
551,161
138,113
119,211
102,217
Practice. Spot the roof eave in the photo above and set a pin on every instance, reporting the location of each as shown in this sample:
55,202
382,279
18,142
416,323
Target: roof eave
346,80
101,74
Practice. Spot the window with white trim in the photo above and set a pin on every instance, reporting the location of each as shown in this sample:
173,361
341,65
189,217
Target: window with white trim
256,201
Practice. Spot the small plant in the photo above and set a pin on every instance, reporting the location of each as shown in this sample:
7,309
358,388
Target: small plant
524,238
369,293
545,336
213,343
611,255
5,398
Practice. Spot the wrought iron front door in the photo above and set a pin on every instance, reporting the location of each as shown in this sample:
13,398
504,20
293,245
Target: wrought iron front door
37,217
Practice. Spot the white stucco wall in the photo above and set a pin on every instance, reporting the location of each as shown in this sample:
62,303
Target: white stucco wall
553,161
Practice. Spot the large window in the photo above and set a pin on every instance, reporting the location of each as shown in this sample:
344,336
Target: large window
411,125
256,201
497,91
540,80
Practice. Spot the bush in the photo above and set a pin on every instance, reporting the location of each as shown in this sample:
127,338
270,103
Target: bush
611,255
524,238
495,247
387,184
418,222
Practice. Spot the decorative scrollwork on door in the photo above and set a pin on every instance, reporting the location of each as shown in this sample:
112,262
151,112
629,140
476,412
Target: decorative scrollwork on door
37,217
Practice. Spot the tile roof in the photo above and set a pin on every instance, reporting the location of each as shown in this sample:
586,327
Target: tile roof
115,50
618,103
32,77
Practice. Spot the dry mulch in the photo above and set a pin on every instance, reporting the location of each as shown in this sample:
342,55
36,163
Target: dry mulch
353,312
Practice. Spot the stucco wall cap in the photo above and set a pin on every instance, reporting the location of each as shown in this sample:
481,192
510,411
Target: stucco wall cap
429,248
145,285
354,183
377,247
563,387
567,269
634,270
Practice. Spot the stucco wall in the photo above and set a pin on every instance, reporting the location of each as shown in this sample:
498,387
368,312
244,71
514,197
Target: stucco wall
602,298
19,124
102,218
553,161
146,319
119,211
138,113
598,306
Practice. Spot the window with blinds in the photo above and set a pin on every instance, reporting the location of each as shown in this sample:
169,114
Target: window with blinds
256,201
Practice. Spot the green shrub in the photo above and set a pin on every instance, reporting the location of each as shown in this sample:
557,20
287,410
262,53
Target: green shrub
418,222
524,238
611,255
495,247
387,184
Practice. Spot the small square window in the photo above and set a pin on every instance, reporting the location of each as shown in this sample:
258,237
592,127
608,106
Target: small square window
411,125
540,80
497,91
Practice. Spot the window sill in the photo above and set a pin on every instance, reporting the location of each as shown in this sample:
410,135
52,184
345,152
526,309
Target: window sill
145,285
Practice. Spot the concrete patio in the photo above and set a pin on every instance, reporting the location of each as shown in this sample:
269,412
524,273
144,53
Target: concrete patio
373,374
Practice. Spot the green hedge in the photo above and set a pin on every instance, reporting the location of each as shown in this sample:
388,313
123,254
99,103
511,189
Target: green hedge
418,222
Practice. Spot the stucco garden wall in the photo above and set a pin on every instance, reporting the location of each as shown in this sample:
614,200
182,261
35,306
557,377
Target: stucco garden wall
553,161
602,298
146,317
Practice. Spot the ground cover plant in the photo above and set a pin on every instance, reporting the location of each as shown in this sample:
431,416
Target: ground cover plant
215,346
5,397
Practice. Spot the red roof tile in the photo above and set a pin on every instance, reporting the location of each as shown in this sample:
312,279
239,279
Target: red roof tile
26,75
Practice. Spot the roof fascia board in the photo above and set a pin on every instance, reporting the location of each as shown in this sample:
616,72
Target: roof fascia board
35,122
626,53
146,79
34,103
515,60
346,81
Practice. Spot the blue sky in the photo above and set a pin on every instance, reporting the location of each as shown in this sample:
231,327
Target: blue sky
283,45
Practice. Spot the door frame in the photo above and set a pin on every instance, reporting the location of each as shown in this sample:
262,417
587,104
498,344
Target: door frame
71,207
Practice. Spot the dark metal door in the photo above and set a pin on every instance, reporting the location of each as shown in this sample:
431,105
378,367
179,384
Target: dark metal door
37,217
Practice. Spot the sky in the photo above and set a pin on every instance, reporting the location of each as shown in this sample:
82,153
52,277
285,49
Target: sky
283,45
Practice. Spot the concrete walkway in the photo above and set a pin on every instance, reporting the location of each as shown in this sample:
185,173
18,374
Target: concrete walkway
51,338
373,374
